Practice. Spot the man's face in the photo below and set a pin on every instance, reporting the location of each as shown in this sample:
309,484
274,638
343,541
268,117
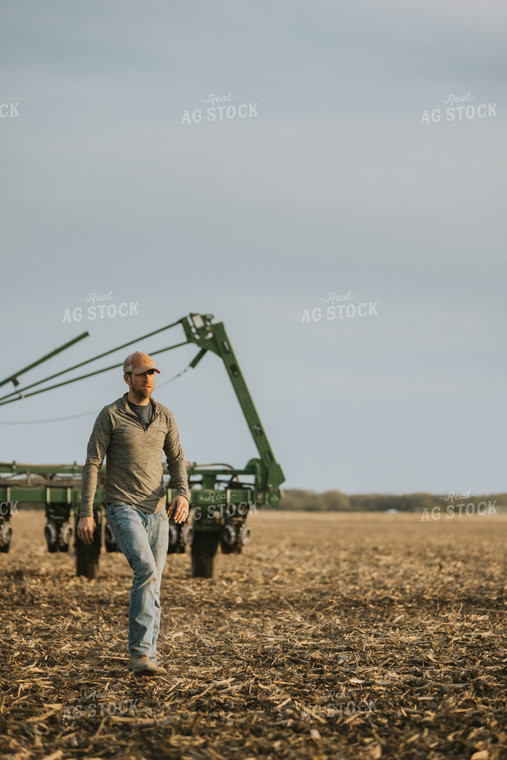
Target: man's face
142,385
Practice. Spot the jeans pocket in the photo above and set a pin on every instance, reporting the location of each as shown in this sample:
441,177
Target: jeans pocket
112,512
112,507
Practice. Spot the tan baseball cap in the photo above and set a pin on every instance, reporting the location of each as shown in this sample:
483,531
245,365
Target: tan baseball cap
137,363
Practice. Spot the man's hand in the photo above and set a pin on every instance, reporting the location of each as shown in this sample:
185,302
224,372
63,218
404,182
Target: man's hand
85,529
181,506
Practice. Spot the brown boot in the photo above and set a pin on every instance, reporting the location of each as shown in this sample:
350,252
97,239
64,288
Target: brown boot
143,666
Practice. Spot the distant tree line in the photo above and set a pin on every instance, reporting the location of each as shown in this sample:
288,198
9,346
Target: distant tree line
336,501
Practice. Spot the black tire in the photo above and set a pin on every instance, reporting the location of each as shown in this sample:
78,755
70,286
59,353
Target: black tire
204,549
109,539
65,534
51,536
174,539
5,537
87,555
226,548
87,564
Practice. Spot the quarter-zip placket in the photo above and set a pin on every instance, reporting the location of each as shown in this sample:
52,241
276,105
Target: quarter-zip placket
135,416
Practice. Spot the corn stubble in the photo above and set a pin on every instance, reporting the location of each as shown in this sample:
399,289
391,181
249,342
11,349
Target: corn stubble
332,636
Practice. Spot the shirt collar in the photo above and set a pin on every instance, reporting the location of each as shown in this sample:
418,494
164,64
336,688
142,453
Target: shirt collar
127,407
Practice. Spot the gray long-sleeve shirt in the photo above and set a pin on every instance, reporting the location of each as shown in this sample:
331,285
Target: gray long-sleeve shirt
133,454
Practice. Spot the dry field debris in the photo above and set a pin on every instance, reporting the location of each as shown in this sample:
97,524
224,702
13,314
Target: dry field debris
353,636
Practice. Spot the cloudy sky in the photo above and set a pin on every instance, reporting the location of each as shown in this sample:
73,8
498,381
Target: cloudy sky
354,153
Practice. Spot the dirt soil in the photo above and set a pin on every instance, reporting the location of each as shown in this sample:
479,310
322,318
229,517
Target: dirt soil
353,636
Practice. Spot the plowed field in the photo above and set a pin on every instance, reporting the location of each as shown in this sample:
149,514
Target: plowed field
331,636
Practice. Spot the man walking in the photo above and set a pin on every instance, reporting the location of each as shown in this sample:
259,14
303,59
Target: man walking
133,432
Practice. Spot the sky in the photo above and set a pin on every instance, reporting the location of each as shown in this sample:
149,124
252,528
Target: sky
327,179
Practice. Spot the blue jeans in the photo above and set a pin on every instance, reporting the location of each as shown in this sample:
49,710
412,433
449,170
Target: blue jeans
143,539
